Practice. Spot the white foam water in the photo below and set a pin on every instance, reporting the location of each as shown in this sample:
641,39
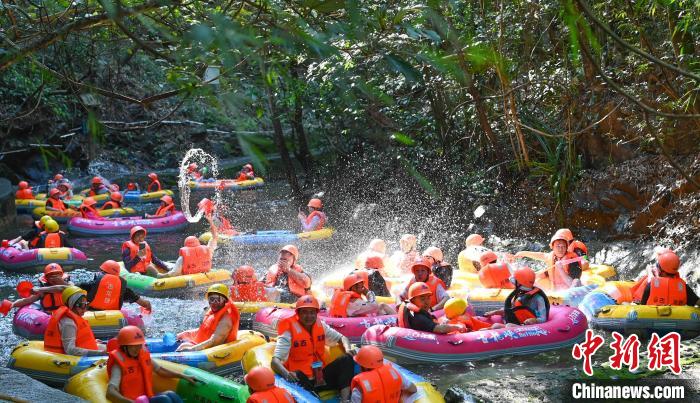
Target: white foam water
202,159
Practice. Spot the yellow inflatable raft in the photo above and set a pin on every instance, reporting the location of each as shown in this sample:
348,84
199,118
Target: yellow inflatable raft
173,286
65,216
272,237
643,320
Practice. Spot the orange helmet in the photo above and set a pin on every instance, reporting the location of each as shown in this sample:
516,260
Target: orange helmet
54,192
291,249
474,239
58,177
131,186
315,203
370,357
167,199
136,229
260,379
192,242
245,275
110,267
420,262
307,301
418,289
435,253
668,262
89,201
524,276
52,268
96,180
486,258
131,336
153,176
374,262
350,280
578,245
116,196
23,185
562,234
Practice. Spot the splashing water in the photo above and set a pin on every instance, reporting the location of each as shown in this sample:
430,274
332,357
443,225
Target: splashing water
201,158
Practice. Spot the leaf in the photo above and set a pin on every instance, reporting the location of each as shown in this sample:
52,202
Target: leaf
422,180
247,143
400,66
403,139
325,6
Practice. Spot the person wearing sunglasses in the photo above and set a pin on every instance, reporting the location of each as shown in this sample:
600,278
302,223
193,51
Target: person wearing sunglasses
220,324
68,332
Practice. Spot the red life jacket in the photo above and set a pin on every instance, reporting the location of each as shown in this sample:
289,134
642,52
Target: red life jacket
432,283
139,267
667,291
137,373
52,301
321,222
518,312
211,321
52,337
254,292
111,205
295,287
274,395
24,194
242,177
195,259
165,210
51,240
55,204
108,293
154,186
495,275
340,301
306,348
380,385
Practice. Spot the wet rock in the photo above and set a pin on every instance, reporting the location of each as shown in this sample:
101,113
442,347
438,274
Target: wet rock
19,387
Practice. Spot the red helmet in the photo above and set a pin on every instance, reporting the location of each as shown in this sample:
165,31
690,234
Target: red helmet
116,196
524,276
131,186
136,229
260,379
58,177
54,192
89,201
418,289
578,245
167,199
374,262
370,357
23,185
315,203
192,242
307,301
153,176
53,268
351,280
96,180
668,262
245,275
131,336
486,258
291,249
421,262
110,267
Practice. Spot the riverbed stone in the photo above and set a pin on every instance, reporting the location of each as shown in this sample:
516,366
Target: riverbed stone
18,387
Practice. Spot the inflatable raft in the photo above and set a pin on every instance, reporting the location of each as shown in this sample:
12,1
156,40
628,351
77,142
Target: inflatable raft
173,286
226,184
266,321
87,227
91,385
30,322
27,206
262,355
272,237
63,217
249,309
483,300
134,196
643,320
565,327
30,260
55,369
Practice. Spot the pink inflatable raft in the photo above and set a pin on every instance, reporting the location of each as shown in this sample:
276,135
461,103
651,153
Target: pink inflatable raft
267,318
87,227
566,326
17,260
30,322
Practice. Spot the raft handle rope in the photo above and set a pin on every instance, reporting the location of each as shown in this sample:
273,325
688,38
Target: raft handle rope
222,355
223,396
455,342
61,363
564,329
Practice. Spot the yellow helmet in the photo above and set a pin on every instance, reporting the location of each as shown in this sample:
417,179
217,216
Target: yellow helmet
455,307
219,289
51,226
44,219
70,291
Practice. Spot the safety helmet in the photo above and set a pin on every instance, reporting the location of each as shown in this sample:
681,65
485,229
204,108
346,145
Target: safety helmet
153,176
435,253
291,249
374,262
191,242
418,289
44,219
131,186
578,245
218,289
307,301
136,229
245,275
96,180
110,267
350,280
455,307
23,185
51,226
668,262
167,199
562,234
58,177
487,257
377,245
52,268
130,336
89,201
524,276
70,291
421,262
249,166
370,357
474,239
116,196
260,379
315,203
54,192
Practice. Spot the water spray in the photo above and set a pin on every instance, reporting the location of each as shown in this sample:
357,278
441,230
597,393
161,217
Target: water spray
205,206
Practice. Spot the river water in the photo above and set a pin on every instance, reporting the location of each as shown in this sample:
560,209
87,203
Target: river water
268,208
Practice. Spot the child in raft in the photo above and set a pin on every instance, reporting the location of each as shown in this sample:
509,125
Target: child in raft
527,304
456,314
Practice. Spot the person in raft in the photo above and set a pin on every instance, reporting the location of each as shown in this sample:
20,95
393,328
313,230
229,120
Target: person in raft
220,324
356,300
31,237
246,286
54,202
24,191
195,257
300,353
377,247
668,288
456,314
130,371
261,385
422,273
154,186
68,332
415,312
287,276
404,258
87,209
527,304
316,219
66,189
107,291
378,381
138,256
564,268
97,187
166,208
246,173
473,247
439,267
49,290
373,276
52,237
115,201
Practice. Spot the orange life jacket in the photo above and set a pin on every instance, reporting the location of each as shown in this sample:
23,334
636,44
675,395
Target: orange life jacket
195,259
306,348
165,210
24,194
380,385
295,287
321,222
469,322
559,275
108,292
242,177
340,301
51,240
274,395
137,373
249,292
154,186
55,204
432,283
139,267
667,291
91,213
211,321
111,205
518,312
52,337
404,310
495,275
52,301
